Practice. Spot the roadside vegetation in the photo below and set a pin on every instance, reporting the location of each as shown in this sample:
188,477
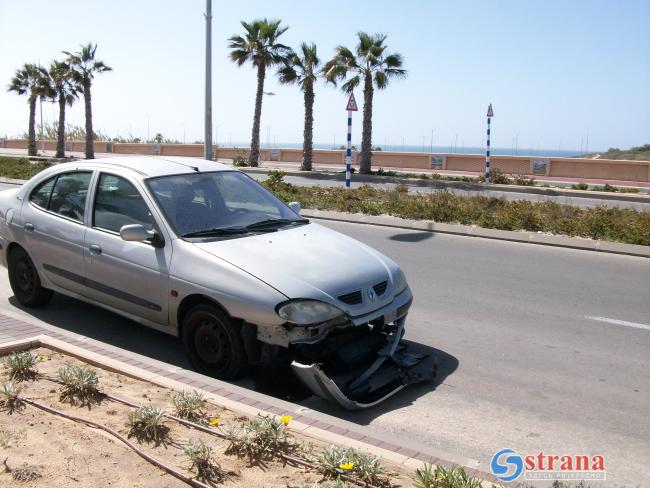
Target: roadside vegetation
638,153
610,224
20,168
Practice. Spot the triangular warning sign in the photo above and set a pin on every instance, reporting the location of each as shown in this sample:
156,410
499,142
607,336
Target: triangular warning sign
352,104
490,113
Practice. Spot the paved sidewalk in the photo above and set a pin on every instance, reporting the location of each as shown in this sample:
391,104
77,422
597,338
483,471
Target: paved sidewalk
13,329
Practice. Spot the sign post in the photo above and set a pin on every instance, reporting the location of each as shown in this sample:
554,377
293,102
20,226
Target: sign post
490,114
351,107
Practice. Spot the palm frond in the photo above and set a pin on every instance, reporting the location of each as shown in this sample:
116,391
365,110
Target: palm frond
351,84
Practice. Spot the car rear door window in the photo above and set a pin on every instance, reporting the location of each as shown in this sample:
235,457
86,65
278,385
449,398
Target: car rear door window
118,203
64,194
42,193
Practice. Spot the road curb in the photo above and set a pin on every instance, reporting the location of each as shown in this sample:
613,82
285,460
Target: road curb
475,231
314,424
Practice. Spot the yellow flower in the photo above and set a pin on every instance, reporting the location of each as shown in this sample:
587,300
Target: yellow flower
346,466
285,419
214,421
43,357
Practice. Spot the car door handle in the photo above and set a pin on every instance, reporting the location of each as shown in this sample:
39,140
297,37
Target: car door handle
28,227
95,250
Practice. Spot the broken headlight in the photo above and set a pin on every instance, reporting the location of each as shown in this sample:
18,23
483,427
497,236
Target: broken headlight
307,312
400,281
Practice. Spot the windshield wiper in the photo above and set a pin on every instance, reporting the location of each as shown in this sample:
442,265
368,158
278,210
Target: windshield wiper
217,231
274,222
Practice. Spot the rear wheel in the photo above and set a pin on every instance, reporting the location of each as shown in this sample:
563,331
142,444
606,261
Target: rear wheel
25,281
213,343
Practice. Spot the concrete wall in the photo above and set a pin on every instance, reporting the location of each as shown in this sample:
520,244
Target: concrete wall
519,165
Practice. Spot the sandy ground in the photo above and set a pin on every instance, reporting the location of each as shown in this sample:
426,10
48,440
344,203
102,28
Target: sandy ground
69,454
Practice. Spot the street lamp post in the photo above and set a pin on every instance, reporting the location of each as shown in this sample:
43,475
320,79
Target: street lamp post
208,81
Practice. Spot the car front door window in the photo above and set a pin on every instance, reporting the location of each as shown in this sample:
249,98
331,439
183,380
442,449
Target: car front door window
118,203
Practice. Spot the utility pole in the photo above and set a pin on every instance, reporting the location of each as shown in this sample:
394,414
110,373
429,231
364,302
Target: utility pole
208,81
431,142
42,135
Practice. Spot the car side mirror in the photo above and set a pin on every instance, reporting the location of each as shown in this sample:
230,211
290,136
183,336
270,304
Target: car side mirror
138,233
295,206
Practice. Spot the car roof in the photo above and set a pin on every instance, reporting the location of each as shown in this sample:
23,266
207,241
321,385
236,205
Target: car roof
150,166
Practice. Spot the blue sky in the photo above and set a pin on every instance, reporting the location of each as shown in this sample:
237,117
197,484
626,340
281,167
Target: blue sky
556,71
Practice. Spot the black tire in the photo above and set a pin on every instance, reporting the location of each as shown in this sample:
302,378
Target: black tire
213,343
24,280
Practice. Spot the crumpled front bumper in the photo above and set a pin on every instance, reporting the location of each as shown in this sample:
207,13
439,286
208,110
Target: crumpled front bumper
368,369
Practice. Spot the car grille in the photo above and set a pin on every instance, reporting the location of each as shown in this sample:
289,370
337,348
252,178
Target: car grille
355,297
380,288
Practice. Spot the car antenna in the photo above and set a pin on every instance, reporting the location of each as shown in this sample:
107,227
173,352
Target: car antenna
195,168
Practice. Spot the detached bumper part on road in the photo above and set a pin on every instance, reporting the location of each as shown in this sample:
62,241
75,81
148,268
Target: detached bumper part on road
365,368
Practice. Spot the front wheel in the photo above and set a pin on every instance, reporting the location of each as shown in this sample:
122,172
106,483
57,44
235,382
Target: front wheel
25,281
213,343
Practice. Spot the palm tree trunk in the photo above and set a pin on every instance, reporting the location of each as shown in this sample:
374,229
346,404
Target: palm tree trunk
31,131
90,151
365,166
60,136
254,156
308,133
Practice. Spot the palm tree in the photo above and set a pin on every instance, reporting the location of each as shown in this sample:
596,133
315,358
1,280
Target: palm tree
84,67
30,80
260,46
303,71
64,90
371,64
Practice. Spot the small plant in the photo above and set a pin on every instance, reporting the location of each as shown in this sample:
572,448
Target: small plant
262,437
607,187
145,424
188,405
442,477
79,384
524,180
402,189
240,159
580,186
568,484
21,365
202,463
9,397
336,460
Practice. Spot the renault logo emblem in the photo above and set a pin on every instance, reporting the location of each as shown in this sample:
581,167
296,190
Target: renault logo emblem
371,294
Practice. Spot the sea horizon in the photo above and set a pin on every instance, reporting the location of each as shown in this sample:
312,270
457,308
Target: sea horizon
496,151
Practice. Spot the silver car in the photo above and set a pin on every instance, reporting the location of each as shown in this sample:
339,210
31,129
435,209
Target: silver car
201,251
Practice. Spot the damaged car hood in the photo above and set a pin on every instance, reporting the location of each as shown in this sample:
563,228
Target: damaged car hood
311,261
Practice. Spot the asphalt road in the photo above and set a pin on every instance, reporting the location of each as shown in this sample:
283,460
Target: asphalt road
540,349
417,187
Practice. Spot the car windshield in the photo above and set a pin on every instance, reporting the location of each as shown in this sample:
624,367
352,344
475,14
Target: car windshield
224,203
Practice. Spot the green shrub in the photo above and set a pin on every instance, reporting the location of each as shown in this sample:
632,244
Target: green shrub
188,405
580,186
145,424
442,477
202,463
21,365
614,224
20,168
524,180
79,384
336,460
262,437
9,397
240,159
